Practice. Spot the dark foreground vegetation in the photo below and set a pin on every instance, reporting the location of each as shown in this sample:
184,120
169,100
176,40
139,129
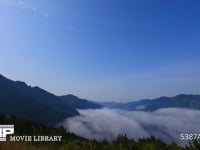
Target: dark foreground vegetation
73,142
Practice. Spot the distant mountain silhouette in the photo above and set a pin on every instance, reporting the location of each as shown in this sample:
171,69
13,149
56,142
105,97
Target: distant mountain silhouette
32,102
45,98
78,103
179,101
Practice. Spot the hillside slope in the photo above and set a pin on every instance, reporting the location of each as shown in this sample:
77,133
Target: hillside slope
33,103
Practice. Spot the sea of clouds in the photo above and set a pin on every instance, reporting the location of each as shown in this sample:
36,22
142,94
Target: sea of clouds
166,124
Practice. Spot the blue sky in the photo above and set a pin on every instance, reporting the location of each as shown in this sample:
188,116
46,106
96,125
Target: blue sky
104,50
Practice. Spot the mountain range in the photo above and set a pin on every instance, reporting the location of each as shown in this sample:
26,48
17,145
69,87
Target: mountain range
36,104
178,101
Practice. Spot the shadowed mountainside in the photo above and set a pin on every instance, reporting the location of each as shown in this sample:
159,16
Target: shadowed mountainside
35,103
78,103
32,102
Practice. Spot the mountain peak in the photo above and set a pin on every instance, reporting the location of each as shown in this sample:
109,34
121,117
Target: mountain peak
32,102
78,103
71,96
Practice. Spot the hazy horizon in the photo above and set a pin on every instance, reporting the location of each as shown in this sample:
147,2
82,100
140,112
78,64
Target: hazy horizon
115,101
102,50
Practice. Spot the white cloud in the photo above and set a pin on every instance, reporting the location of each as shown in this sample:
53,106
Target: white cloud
166,124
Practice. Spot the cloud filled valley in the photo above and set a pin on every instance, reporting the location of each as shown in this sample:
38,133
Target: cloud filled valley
166,124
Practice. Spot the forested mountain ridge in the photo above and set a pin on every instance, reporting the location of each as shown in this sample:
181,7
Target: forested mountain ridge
32,103
78,103
178,101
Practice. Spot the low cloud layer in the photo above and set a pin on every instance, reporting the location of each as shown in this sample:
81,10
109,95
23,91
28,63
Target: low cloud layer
166,124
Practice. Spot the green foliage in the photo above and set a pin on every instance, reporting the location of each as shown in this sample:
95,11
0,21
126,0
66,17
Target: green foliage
71,141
